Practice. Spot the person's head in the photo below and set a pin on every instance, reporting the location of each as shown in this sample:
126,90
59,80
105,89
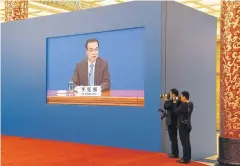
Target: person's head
185,96
174,93
92,49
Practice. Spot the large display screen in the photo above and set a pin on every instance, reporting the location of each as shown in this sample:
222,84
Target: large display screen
102,68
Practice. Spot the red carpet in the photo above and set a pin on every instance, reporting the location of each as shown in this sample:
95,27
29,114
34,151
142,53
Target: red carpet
18,151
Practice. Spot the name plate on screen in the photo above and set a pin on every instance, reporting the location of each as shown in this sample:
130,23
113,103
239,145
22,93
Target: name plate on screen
88,90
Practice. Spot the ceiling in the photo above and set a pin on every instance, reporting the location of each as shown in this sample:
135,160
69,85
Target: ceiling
39,8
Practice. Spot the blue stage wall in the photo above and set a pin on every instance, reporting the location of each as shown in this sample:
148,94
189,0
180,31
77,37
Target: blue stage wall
189,63
24,109
124,50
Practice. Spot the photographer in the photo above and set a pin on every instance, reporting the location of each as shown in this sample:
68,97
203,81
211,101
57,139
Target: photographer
184,112
170,105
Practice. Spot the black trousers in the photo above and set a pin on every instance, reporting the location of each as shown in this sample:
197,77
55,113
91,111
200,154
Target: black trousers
172,132
184,134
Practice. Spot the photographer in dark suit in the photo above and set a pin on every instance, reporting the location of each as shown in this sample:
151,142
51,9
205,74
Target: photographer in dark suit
184,112
170,105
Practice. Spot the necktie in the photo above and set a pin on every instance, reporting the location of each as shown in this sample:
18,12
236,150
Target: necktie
91,77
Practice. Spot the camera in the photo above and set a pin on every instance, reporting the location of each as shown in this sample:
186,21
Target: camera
185,123
164,114
165,96
176,98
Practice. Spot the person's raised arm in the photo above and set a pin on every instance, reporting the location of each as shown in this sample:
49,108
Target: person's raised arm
168,105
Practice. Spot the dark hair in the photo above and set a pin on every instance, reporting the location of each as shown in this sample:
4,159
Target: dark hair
175,91
90,41
186,94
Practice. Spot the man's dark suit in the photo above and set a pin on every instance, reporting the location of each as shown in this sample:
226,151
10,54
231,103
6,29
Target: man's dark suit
101,74
171,122
184,112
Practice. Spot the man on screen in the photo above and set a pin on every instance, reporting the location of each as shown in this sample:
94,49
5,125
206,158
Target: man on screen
92,71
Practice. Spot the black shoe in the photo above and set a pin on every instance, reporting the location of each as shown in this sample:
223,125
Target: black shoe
183,161
172,156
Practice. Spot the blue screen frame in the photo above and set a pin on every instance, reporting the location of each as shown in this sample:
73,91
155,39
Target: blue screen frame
24,109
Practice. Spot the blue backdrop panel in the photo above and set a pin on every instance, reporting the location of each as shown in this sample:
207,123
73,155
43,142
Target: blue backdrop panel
24,109
191,56
123,49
